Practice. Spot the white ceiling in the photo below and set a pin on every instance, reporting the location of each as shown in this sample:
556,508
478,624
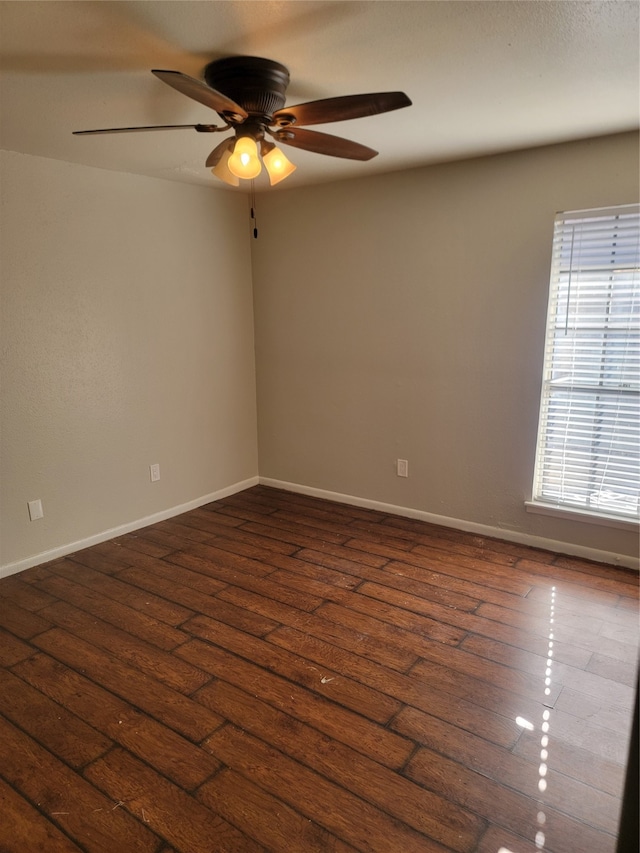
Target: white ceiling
484,76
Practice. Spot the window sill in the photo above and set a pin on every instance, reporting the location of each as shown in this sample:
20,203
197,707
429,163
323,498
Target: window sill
620,522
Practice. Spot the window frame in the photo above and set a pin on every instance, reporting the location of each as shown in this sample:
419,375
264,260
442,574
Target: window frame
559,295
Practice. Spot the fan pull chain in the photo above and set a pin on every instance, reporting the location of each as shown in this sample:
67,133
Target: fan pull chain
252,204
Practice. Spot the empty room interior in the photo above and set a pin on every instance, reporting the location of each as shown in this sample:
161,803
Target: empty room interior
319,488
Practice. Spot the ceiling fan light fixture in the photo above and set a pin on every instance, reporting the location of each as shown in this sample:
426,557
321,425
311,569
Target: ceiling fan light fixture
221,170
245,161
278,166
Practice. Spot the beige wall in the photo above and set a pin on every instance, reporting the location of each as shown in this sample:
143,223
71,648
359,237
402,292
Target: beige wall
397,316
403,316
127,339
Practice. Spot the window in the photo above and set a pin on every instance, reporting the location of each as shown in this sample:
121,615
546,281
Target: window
588,453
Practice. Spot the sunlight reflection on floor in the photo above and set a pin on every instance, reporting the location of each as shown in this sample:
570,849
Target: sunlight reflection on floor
544,739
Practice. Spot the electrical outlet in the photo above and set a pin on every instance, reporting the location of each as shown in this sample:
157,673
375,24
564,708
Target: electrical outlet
402,468
35,510
154,472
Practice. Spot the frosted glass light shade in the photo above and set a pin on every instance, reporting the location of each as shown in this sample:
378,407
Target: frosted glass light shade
221,170
245,162
277,165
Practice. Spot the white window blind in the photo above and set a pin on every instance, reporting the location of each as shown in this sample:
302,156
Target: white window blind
588,453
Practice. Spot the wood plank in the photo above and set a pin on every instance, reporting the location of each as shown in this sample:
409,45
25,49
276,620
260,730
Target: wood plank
419,809
94,558
201,593
344,725
12,649
583,577
613,669
443,539
604,743
168,583
621,575
508,808
390,634
146,602
243,543
132,621
428,560
590,684
156,801
35,573
566,603
210,553
345,691
13,590
275,523
523,639
340,812
166,578
512,703
24,828
497,839
293,535
161,747
269,820
23,623
239,578
177,527
579,764
396,616
164,666
75,806
62,732
586,804
168,706
313,571
346,638
496,728
136,541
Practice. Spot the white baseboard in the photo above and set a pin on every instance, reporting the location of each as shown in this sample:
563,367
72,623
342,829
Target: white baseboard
519,537
113,532
408,512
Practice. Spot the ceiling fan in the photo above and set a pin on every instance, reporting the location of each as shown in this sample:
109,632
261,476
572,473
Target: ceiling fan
248,93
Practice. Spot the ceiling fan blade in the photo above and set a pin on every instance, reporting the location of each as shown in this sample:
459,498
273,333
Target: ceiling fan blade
214,158
324,143
199,91
341,109
202,128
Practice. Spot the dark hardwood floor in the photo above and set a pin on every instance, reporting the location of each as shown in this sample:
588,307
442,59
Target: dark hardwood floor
276,672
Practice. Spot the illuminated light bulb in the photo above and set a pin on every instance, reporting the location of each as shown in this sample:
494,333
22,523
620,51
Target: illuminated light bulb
245,162
542,785
221,170
277,165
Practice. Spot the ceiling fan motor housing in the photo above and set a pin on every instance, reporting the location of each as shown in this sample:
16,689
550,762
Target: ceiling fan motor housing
258,85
